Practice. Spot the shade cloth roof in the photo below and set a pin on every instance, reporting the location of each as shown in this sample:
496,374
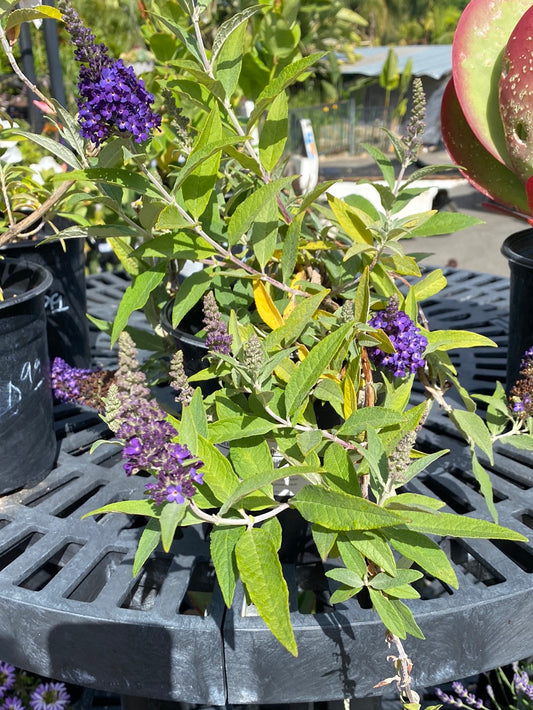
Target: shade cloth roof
432,60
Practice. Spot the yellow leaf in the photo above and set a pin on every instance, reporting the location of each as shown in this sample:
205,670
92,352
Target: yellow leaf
350,396
266,307
303,352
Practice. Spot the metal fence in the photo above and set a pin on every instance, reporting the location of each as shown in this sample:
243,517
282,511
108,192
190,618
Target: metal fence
340,127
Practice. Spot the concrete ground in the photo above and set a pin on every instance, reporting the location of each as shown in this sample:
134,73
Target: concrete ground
474,249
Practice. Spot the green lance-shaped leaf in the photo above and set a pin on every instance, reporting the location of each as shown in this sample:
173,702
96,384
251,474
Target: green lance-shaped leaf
136,296
443,223
148,541
203,154
114,176
246,212
295,323
307,373
286,77
219,475
190,292
197,188
273,134
181,33
338,511
485,486
451,339
143,507
264,233
17,17
458,526
228,27
422,550
290,248
354,221
171,516
262,479
222,547
375,417
387,613
227,68
261,574
474,429
59,150
362,297
372,545
430,285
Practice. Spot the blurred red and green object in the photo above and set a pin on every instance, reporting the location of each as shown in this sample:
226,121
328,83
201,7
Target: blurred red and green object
487,108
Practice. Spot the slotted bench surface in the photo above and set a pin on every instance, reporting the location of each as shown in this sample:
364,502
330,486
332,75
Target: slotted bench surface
72,610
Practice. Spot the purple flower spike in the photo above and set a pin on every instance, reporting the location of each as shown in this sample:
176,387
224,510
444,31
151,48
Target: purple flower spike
111,98
406,338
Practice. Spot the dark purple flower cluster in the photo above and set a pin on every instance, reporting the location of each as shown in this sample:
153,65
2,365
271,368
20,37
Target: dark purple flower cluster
408,342
111,96
520,396
217,339
66,380
149,447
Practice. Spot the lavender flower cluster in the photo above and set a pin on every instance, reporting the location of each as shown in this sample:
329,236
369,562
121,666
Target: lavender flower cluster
66,380
408,342
111,97
21,691
520,396
461,699
149,437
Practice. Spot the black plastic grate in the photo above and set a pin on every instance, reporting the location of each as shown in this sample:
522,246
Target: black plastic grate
72,610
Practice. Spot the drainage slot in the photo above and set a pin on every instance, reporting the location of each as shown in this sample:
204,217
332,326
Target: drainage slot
15,551
471,482
37,499
517,552
313,589
69,509
527,519
91,585
146,589
475,569
449,493
50,568
199,591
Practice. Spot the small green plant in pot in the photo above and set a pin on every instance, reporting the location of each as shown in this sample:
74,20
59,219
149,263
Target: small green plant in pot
487,129
312,316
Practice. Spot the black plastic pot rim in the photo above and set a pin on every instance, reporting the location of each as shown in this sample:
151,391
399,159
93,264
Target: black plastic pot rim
166,324
518,248
44,283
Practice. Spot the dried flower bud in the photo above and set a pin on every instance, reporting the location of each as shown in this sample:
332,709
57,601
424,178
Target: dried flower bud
218,340
416,125
253,355
178,379
346,312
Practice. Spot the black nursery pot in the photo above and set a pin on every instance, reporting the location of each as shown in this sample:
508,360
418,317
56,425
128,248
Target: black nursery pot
518,249
194,349
27,438
66,299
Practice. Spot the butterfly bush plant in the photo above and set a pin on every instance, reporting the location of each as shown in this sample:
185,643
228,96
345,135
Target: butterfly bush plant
310,308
